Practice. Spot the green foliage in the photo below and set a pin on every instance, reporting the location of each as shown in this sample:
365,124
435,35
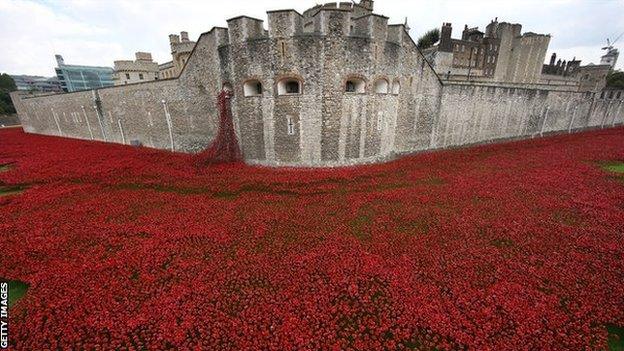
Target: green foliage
7,85
4,107
616,338
428,39
615,80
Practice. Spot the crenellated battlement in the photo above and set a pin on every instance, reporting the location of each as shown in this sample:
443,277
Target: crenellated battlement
331,19
373,26
285,23
397,33
244,28
335,85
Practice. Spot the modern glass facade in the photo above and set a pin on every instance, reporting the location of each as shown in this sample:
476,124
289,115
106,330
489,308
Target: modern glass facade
36,83
76,78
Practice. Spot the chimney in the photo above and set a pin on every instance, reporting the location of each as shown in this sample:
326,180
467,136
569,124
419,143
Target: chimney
174,38
490,29
445,38
184,36
465,32
367,4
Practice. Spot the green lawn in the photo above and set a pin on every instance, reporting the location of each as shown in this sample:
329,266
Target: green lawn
17,290
616,338
615,167
10,190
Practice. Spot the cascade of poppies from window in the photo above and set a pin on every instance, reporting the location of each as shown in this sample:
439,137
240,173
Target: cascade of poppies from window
224,148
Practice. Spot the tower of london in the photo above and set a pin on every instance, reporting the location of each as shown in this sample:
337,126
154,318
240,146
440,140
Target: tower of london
335,85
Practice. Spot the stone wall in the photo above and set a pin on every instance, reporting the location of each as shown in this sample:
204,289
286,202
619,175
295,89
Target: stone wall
9,120
153,114
331,126
472,114
323,124
527,58
520,56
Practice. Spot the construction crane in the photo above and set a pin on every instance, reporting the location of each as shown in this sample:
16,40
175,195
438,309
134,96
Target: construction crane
610,44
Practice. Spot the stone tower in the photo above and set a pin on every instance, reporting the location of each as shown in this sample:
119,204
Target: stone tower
445,38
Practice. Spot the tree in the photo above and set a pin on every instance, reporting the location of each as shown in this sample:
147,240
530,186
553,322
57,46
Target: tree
615,80
428,39
7,85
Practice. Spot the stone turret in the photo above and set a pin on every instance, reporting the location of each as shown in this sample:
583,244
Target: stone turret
143,69
367,4
174,39
243,28
181,48
445,38
285,23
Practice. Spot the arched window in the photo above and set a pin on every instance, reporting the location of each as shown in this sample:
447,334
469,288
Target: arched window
289,86
396,87
252,88
381,86
355,85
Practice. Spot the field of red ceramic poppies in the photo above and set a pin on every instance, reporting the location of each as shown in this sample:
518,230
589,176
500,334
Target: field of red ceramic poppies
516,246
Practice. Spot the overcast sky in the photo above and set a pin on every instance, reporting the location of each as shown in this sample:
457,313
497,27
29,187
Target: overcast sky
97,32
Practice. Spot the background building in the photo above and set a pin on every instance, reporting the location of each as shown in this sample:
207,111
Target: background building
37,83
181,48
326,87
561,74
75,77
614,94
561,68
141,70
588,78
501,54
167,70
593,77
611,57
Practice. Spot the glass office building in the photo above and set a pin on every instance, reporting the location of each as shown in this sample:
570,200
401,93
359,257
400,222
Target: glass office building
76,78
37,83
